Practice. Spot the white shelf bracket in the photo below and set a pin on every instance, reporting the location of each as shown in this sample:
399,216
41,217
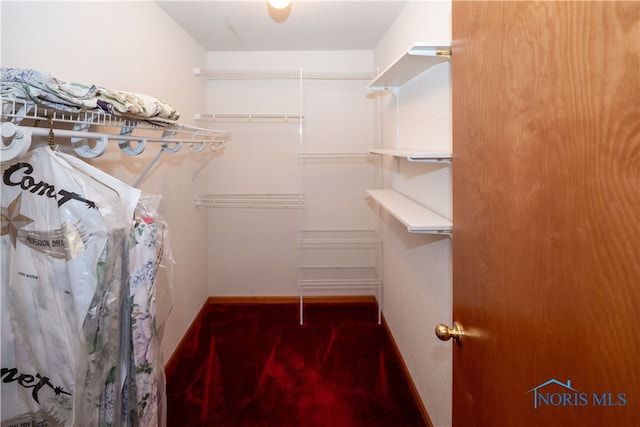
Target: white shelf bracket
16,141
150,166
394,90
81,145
443,233
125,144
443,160
168,147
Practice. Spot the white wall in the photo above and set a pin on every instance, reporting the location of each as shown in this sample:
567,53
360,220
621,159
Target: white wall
417,268
254,251
131,46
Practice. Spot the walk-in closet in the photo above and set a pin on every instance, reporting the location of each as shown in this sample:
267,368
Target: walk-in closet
295,173
319,213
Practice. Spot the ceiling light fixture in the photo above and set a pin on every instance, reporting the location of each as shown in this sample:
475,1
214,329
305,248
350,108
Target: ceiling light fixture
279,4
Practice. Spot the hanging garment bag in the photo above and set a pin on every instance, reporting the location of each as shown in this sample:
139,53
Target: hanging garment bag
63,236
142,380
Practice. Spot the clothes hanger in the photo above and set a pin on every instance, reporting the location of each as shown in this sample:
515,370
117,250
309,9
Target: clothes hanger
51,142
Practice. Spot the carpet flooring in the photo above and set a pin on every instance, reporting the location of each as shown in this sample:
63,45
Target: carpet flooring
254,365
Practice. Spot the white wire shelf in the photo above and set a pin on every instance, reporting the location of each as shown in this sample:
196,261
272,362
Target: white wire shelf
418,58
89,131
414,155
249,118
252,200
337,239
417,218
281,75
338,278
335,157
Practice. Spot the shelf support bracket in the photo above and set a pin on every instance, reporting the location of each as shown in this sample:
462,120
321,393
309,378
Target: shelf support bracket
148,168
166,147
444,233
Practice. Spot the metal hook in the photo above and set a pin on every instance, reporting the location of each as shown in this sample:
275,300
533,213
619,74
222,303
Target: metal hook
51,139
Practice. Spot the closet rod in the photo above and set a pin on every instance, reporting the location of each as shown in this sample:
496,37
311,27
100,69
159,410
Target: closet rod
23,134
80,143
281,75
17,134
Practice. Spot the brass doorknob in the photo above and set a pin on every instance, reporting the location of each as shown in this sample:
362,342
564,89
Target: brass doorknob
445,333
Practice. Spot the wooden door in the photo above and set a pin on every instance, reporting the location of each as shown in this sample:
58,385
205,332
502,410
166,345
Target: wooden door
546,242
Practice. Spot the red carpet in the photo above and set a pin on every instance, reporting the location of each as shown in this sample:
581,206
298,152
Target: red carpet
254,365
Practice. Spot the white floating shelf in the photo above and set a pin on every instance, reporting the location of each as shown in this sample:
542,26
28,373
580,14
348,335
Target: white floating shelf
413,155
417,218
419,58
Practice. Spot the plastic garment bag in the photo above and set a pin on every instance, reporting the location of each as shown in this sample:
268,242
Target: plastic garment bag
145,305
65,285
149,252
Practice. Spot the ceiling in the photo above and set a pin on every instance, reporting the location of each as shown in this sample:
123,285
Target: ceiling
244,25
